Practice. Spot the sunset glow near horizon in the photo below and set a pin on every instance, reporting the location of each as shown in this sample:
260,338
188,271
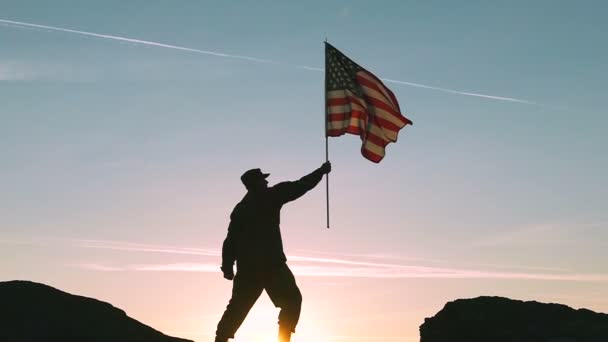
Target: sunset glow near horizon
126,126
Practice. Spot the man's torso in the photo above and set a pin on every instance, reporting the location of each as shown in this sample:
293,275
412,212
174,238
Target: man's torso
258,238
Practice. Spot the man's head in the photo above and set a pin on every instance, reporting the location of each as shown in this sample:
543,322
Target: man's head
254,179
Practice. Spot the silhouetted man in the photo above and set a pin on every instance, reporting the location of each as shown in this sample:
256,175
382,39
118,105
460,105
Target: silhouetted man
254,242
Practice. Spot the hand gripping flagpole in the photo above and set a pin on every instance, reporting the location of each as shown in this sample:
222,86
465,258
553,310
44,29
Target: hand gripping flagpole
326,139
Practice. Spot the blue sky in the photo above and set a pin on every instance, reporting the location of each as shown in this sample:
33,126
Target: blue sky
135,144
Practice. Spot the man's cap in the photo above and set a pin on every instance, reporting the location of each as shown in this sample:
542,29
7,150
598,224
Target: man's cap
250,176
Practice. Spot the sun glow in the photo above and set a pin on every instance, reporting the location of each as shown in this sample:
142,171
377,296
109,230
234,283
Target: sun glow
300,336
261,325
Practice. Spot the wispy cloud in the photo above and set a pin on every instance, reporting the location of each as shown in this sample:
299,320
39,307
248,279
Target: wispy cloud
337,266
139,247
346,12
397,272
314,266
311,257
395,258
171,267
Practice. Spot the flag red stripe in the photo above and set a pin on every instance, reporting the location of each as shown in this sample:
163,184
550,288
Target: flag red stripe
354,130
384,123
371,155
334,132
345,116
383,105
378,87
390,92
338,101
400,121
369,135
376,139
380,122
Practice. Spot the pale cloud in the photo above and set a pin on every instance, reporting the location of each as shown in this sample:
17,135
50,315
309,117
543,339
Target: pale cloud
11,70
15,71
519,235
98,267
535,234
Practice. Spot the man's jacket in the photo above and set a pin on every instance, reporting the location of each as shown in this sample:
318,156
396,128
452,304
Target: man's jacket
254,237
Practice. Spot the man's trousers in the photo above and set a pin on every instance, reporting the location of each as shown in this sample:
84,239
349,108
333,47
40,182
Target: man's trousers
247,287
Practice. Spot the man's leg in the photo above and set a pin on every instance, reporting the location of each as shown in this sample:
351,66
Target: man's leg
284,293
246,290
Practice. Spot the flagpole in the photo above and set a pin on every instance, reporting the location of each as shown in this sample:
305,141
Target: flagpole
326,140
327,175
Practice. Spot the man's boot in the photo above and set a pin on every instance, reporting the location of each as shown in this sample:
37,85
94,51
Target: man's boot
221,339
284,335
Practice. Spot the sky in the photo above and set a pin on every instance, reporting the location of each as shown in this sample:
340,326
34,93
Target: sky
126,126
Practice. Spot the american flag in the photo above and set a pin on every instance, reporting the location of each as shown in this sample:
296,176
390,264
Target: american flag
358,103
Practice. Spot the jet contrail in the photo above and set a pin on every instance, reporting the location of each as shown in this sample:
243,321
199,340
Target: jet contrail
452,91
136,41
23,25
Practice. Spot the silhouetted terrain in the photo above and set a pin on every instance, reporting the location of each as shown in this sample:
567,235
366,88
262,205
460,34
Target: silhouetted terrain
497,319
32,312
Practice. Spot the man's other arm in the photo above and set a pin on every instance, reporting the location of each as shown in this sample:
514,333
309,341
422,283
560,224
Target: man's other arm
229,252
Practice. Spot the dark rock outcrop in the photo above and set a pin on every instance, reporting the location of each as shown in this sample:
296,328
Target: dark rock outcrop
497,319
32,312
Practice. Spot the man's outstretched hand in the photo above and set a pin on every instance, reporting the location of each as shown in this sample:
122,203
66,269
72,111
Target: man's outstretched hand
228,273
326,167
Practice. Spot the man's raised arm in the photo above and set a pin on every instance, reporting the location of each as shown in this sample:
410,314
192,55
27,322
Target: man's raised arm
289,191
